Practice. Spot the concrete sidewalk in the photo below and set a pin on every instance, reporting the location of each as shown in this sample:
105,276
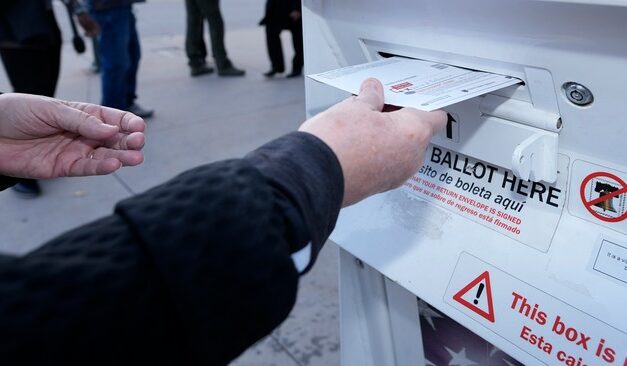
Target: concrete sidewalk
197,121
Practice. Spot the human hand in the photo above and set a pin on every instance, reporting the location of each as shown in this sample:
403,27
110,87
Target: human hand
90,26
42,137
295,15
377,151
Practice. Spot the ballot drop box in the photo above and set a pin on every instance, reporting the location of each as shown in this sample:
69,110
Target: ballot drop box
509,245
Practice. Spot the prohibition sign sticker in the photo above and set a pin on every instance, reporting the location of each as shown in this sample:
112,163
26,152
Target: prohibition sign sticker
604,195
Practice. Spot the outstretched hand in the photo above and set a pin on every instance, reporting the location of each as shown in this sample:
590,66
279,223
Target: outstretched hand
377,151
42,138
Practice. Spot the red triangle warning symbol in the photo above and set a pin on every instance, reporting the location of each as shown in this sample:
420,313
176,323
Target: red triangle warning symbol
477,296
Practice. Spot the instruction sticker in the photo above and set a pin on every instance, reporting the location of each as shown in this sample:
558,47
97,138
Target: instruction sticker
601,196
611,260
549,330
492,196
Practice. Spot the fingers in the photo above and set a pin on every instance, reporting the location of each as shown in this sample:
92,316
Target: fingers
126,122
102,161
371,93
86,167
125,157
429,122
134,141
85,124
437,119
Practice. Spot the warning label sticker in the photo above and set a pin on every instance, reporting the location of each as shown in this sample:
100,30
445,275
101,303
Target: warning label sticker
492,196
481,305
547,329
601,197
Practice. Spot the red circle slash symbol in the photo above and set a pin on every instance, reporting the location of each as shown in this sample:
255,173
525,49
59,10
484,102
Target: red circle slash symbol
608,187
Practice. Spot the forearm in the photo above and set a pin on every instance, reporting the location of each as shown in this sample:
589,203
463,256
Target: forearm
91,296
305,173
202,263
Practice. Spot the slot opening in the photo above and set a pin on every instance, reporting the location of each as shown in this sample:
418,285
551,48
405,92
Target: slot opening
388,55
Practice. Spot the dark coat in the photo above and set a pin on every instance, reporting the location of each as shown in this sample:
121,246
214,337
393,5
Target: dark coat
191,272
278,12
24,22
6,182
110,4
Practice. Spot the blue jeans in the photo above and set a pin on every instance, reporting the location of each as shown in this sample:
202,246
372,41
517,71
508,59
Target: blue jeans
119,55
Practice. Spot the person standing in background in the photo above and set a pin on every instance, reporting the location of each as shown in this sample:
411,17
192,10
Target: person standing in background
119,54
197,12
283,15
30,47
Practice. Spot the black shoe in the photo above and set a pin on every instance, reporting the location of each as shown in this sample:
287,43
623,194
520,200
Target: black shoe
202,69
271,73
230,71
27,188
294,74
137,110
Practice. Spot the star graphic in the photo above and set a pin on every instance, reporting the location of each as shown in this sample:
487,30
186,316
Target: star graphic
459,358
429,363
428,313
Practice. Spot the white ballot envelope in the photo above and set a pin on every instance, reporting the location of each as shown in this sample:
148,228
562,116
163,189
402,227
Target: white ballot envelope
419,84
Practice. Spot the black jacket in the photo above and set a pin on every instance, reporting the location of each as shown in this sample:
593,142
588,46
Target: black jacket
278,12
191,272
110,4
27,22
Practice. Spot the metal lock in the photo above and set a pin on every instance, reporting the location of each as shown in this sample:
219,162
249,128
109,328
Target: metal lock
578,94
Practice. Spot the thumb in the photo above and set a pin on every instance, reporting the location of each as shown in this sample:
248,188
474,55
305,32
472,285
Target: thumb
371,93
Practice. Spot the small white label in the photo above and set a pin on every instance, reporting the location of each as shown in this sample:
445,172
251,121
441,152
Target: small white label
612,260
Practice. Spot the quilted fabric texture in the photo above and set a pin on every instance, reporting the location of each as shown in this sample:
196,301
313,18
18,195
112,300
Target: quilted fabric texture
191,272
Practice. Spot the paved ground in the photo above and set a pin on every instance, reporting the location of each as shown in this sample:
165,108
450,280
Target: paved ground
197,121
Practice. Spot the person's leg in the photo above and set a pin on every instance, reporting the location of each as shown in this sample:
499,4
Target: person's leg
275,50
211,10
297,40
134,52
34,69
194,38
114,45
95,65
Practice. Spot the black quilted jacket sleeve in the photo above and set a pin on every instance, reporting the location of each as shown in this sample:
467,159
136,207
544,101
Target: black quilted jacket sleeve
6,182
191,272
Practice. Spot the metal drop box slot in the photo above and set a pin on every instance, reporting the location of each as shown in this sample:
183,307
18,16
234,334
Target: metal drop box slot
516,128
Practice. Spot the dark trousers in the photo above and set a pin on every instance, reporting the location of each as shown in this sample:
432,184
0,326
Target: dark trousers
34,68
119,56
197,12
275,49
